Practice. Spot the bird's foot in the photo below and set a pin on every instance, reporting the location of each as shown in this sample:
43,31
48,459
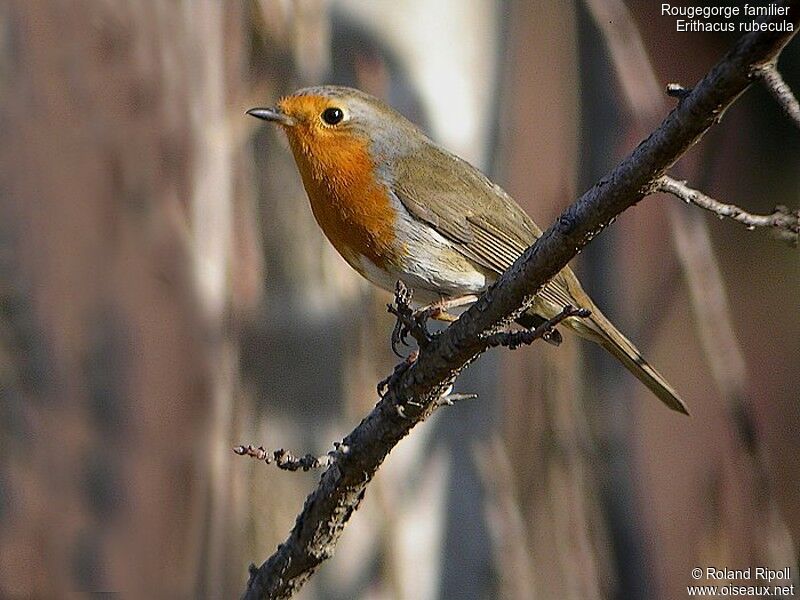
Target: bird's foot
415,322
409,322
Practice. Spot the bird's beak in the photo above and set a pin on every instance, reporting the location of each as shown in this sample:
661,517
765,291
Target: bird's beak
272,114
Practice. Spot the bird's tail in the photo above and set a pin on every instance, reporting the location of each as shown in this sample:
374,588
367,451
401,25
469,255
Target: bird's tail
599,329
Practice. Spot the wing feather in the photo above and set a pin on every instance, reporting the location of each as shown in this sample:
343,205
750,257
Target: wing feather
483,222
457,200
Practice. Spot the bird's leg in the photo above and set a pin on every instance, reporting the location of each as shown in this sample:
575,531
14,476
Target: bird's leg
414,322
438,310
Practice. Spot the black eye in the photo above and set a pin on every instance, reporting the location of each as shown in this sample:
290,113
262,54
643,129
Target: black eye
332,116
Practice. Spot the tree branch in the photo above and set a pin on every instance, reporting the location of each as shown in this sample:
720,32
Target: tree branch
525,337
287,461
785,224
780,91
417,388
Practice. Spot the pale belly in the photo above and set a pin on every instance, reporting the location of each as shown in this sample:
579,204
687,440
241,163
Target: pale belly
431,267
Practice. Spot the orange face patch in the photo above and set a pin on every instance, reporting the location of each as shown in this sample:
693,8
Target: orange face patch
350,205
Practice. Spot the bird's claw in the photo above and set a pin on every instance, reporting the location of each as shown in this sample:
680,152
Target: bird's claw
409,321
416,326
399,335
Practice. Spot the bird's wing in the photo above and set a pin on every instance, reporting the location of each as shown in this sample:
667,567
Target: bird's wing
484,223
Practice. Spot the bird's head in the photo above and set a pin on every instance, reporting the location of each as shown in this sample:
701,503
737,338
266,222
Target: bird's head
333,128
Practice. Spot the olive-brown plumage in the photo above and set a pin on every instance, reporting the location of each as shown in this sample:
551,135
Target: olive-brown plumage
396,205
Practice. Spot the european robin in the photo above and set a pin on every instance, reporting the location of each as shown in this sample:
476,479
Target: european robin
397,206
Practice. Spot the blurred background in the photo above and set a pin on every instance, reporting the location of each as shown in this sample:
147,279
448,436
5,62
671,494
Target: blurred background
165,295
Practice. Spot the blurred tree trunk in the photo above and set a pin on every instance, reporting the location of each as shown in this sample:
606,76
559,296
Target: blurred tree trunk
319,346
117,226
545,430
740,508
616,397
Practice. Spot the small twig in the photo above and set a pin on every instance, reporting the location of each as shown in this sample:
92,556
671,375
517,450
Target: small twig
515,339
780,91
287,461
676,90
451,399
408,322
785,224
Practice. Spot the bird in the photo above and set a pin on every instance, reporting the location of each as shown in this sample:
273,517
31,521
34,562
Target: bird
398,206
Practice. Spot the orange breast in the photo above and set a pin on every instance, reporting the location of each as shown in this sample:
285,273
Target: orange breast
351,207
